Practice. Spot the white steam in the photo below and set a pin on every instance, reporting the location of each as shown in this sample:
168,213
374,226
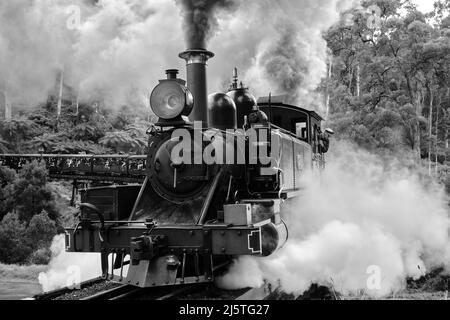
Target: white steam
69,269
116,50
32,48
111,49
124,48
361,219
279,45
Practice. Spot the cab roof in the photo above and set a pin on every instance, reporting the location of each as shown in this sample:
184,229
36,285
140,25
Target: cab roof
281,100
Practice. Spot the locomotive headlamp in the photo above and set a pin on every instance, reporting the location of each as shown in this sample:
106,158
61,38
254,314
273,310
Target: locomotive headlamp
171,98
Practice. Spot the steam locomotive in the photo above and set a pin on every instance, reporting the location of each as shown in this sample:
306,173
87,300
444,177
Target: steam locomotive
218,173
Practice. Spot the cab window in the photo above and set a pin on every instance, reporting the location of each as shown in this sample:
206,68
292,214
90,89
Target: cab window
299,127
316,138
302,130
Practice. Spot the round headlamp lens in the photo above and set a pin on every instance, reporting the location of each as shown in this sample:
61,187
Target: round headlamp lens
169,100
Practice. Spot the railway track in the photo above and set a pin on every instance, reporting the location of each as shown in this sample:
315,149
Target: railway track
114,293
127,292
100,290
51,295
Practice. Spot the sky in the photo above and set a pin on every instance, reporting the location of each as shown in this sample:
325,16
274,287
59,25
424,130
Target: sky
424,5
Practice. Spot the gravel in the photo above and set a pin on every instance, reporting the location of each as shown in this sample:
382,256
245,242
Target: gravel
88,291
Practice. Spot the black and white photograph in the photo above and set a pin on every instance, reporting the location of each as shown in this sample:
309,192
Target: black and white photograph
224,155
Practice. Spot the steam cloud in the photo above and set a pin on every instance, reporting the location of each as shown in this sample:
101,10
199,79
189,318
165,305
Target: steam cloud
362,216
71,269
68,269
31,49
290,53
112,50
120,48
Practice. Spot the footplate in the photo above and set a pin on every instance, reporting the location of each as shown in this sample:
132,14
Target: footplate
218,240
163,256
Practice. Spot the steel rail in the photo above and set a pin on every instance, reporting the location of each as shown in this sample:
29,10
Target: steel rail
111,293
180,291
125,292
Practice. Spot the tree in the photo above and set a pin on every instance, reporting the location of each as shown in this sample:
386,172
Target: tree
29,194
78,147
4,146
19,243
400,68
7,176
41,231
18,130
47,141
132,140
14,247
121,141
87,131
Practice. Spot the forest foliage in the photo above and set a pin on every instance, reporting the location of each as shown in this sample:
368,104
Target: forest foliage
29,215
388,86
80,129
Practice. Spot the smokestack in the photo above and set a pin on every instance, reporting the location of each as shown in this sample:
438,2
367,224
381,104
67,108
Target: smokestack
196,62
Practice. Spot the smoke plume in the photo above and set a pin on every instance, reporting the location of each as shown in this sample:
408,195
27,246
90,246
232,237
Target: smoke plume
365,225
200,20
290,53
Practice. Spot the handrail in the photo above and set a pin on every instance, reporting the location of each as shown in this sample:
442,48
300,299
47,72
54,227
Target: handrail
49,155
84,166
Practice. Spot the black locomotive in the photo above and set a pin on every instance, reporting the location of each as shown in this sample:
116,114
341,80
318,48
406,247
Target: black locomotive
218,172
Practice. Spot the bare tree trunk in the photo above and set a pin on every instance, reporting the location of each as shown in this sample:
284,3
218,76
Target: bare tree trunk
327,99
60,95
446,138
418,114
430,132
358,80
350,75
437,138
77,106
8,107
446,126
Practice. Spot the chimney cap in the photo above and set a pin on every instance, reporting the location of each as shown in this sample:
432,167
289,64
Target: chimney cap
172,73
200,54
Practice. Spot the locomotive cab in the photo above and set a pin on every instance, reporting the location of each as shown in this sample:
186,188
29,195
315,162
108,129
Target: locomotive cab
302,123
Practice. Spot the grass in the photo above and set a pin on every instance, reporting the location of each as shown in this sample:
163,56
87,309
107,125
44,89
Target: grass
21,272
19,281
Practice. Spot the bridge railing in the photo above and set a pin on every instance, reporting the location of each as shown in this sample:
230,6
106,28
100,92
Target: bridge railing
88,167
